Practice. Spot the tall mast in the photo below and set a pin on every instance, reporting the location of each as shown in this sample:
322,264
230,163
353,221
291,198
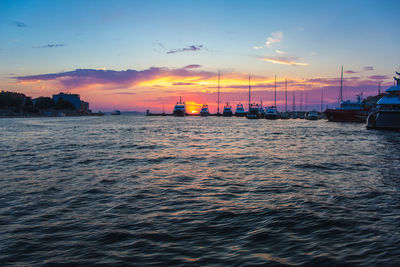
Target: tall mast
379,88
301,100
218,94
294,106
305,107
286,95
275,90
322,99
249,93
341,87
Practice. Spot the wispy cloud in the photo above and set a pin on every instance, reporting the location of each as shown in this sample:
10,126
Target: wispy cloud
257,47
186,49
378,77
280,52
18,24
293,61
49,46
350,72
192,66
369,68
177,84
275,37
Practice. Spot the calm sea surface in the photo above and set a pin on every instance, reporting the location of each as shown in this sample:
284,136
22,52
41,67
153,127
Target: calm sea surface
197,191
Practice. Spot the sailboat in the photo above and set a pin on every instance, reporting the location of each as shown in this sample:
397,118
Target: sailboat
285,115
271,112
254,109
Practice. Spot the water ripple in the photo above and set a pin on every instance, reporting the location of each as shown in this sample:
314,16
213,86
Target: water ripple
133,190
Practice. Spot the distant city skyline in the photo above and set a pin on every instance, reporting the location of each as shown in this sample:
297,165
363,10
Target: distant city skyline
138,55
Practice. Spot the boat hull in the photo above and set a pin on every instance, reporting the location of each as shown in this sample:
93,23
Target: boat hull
384,120
240,114
227,114
253,116
271,116
204,114
346,115
178,113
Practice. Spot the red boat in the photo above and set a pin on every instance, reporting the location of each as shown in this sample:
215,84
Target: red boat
349,112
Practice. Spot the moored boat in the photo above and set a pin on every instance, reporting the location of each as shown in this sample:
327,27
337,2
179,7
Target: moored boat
240,110
227,110
204,112
179,109
349,111
312,115
254,112
387,114
272,113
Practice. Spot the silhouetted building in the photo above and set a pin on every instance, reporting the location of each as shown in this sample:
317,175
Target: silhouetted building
74,99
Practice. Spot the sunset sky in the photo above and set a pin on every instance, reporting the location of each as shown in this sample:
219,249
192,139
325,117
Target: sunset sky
138,55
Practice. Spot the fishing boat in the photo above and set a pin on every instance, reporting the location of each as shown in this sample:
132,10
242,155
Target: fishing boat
387,114
312,115
204,112
240,110
227,110
254,112
179,109
272,113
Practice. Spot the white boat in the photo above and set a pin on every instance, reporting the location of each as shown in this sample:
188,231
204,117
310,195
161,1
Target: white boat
312,115
204,112
272,113
227,110
179,109
387,114
254,112
240,110
116,112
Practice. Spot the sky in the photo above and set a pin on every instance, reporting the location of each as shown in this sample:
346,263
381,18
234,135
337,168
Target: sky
139,55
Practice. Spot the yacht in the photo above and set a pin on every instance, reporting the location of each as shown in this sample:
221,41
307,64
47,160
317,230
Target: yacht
179,109
272,113
254,112
240,110
227,110
312,115
387,114
204,112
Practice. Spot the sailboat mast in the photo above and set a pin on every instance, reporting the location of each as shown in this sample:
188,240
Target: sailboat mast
249,93
305,107
301,100
341,87
218,93
294,106
286,95
379,88
322,99
275,90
